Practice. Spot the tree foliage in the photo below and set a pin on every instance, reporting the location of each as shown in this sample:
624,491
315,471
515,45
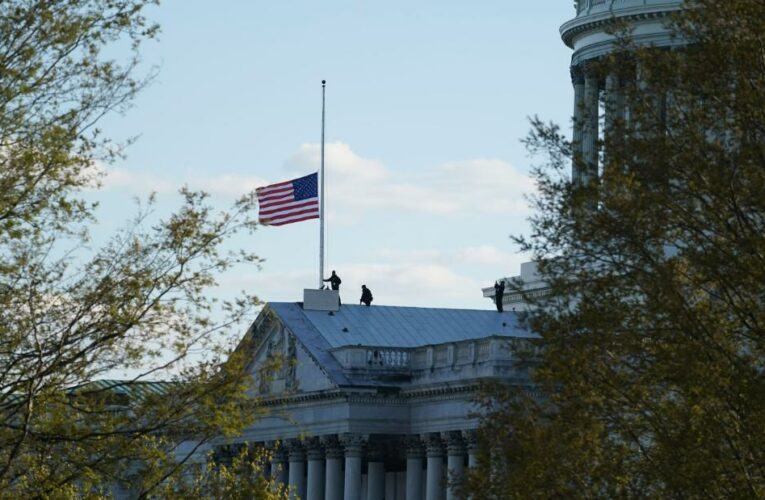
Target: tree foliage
72,315
653,370
244,478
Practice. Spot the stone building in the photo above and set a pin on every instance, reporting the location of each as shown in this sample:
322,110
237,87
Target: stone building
376,402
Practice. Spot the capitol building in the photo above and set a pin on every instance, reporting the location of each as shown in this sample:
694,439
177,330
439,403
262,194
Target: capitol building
378,402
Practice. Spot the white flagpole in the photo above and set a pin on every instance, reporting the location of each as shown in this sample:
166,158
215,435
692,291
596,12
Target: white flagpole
321,195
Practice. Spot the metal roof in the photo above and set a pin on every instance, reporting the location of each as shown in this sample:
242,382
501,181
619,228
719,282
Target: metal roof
132,388
393,326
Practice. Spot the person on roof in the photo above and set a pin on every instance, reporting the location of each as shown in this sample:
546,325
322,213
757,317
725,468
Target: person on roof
499,291
366,296
334,281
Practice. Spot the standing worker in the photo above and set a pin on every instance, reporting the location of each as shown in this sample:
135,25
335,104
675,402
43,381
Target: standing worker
334,281
366,296
499,291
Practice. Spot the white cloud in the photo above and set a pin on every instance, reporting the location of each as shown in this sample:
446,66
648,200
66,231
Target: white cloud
141,182
488,255
340,161
358,184
227,185
136,182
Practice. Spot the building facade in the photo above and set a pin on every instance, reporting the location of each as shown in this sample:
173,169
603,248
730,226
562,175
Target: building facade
376,402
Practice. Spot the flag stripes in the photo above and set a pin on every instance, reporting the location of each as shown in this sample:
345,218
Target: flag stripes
289,201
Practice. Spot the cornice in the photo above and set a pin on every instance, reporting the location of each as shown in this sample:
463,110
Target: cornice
353,396
594,22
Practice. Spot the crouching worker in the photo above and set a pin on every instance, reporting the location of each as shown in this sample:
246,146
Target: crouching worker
366,296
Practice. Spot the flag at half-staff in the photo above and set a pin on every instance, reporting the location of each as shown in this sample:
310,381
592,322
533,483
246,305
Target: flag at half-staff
289,201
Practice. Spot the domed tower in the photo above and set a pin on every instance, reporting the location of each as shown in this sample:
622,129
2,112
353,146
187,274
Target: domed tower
588,35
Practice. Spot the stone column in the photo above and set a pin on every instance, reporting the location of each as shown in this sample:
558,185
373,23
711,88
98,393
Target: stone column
455,463
614,102
333,484
435,475
614,110
279,464
471,441
315,489
375,473
414,455
390,485
353,445
297,469
590,129
577,78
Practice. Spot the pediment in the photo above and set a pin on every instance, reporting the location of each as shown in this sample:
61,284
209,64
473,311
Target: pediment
279,362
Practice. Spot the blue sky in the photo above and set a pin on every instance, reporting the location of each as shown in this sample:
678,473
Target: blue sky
426,105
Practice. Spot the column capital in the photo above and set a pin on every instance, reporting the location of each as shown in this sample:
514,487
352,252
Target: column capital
471,440
577,75
414,447
279,451
375,451
435,445
315,449
353,444
455,444
296,450
333,448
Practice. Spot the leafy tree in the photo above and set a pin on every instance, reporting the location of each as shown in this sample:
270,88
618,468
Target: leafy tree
652,376
244,478
71,315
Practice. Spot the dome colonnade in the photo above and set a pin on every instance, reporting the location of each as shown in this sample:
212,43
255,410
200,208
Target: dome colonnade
590,35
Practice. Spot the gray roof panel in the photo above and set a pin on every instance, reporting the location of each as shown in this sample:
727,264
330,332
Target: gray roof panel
392,326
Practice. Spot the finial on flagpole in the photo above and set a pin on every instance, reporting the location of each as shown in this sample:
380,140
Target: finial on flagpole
323,82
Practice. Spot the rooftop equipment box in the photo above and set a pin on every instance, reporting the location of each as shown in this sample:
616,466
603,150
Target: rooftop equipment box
321,300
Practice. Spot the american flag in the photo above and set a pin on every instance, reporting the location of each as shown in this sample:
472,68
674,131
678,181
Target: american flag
289,201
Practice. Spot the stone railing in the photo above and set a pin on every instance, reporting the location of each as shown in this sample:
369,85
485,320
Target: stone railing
373,358
489,350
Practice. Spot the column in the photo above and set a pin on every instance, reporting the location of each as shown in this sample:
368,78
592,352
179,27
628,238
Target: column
639,122
590,128
297,469
471,442
333,484
577,78
614,102
434,468
375,472
279,463
414,455
455,463
315,489
614,113
352,488
390,485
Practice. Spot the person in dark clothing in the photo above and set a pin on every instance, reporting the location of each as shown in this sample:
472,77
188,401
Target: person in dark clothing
499,291
334,281
366,296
